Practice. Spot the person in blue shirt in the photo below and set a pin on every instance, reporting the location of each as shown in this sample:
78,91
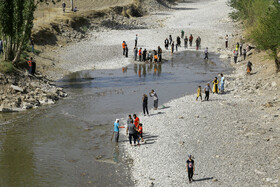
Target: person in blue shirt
117,129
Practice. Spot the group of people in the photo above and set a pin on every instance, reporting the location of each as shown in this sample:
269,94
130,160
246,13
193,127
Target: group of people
216,88
134,130
64,7
239,50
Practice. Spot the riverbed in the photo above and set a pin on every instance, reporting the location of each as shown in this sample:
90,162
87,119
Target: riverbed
69,144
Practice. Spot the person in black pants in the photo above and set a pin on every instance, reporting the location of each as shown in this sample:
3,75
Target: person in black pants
207,90
190,168
145,104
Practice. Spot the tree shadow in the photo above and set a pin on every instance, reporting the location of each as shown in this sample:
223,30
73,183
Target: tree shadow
203,179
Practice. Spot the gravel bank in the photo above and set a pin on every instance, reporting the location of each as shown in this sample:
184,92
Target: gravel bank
234,137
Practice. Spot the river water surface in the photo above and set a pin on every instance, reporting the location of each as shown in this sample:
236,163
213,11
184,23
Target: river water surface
69,143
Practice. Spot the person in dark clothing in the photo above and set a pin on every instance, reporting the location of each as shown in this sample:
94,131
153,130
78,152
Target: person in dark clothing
240,48
166,43
191,39
179,41
145,104
249,67
126,51
206,53
190,168
159,54
144,55
244,53
63,6
30,63
207,90
186,42
135,53
131,131
140,54
197,43
172,47
170,39
33,67
32,45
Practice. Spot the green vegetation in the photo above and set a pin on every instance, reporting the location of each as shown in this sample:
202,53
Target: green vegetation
16,22
261,19
6,67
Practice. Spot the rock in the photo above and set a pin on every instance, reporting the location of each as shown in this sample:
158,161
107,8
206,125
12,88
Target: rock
273,84
16,88
268,105
214,180
181,117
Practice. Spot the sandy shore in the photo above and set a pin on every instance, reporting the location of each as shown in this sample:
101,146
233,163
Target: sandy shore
234,137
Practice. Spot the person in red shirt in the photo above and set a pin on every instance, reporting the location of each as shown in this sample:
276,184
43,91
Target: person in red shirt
123,46
136,121
140,54
140,131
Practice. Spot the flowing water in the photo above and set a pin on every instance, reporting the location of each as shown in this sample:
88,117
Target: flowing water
69,143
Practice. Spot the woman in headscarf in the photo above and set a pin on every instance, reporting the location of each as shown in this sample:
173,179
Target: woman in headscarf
215,85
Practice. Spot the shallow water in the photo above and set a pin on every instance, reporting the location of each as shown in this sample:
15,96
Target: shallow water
59,145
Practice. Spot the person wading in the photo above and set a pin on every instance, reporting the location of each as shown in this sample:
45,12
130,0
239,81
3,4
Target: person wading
190,168
206,53
155,97
145,104
117,129
126,51
140,54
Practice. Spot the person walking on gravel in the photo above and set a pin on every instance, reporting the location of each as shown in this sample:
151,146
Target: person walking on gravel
207,90
182,34
63,6
140,54
170,39
199,93
166,43
222,87
206,53
126,51
215,86
131,131
154,95
190,168
136,39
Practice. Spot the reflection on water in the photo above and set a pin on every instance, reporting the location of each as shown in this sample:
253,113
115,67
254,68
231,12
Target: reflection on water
143,69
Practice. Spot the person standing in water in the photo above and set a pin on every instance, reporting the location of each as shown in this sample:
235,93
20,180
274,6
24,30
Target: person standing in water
197,43
145,104
154,95
207,90
199,93
206,53
186,42
135,53
117,129
190,168
215,85
140,54
179,41
144,55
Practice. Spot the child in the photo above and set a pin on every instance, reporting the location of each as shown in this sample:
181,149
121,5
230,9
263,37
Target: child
140,131
199,93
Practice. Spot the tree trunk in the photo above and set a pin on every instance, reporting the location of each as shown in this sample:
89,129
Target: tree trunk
277,63
18,53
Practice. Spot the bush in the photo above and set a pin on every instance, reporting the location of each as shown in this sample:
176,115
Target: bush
6,67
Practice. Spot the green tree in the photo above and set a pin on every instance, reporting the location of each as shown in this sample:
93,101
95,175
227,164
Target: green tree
16,23
267,32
